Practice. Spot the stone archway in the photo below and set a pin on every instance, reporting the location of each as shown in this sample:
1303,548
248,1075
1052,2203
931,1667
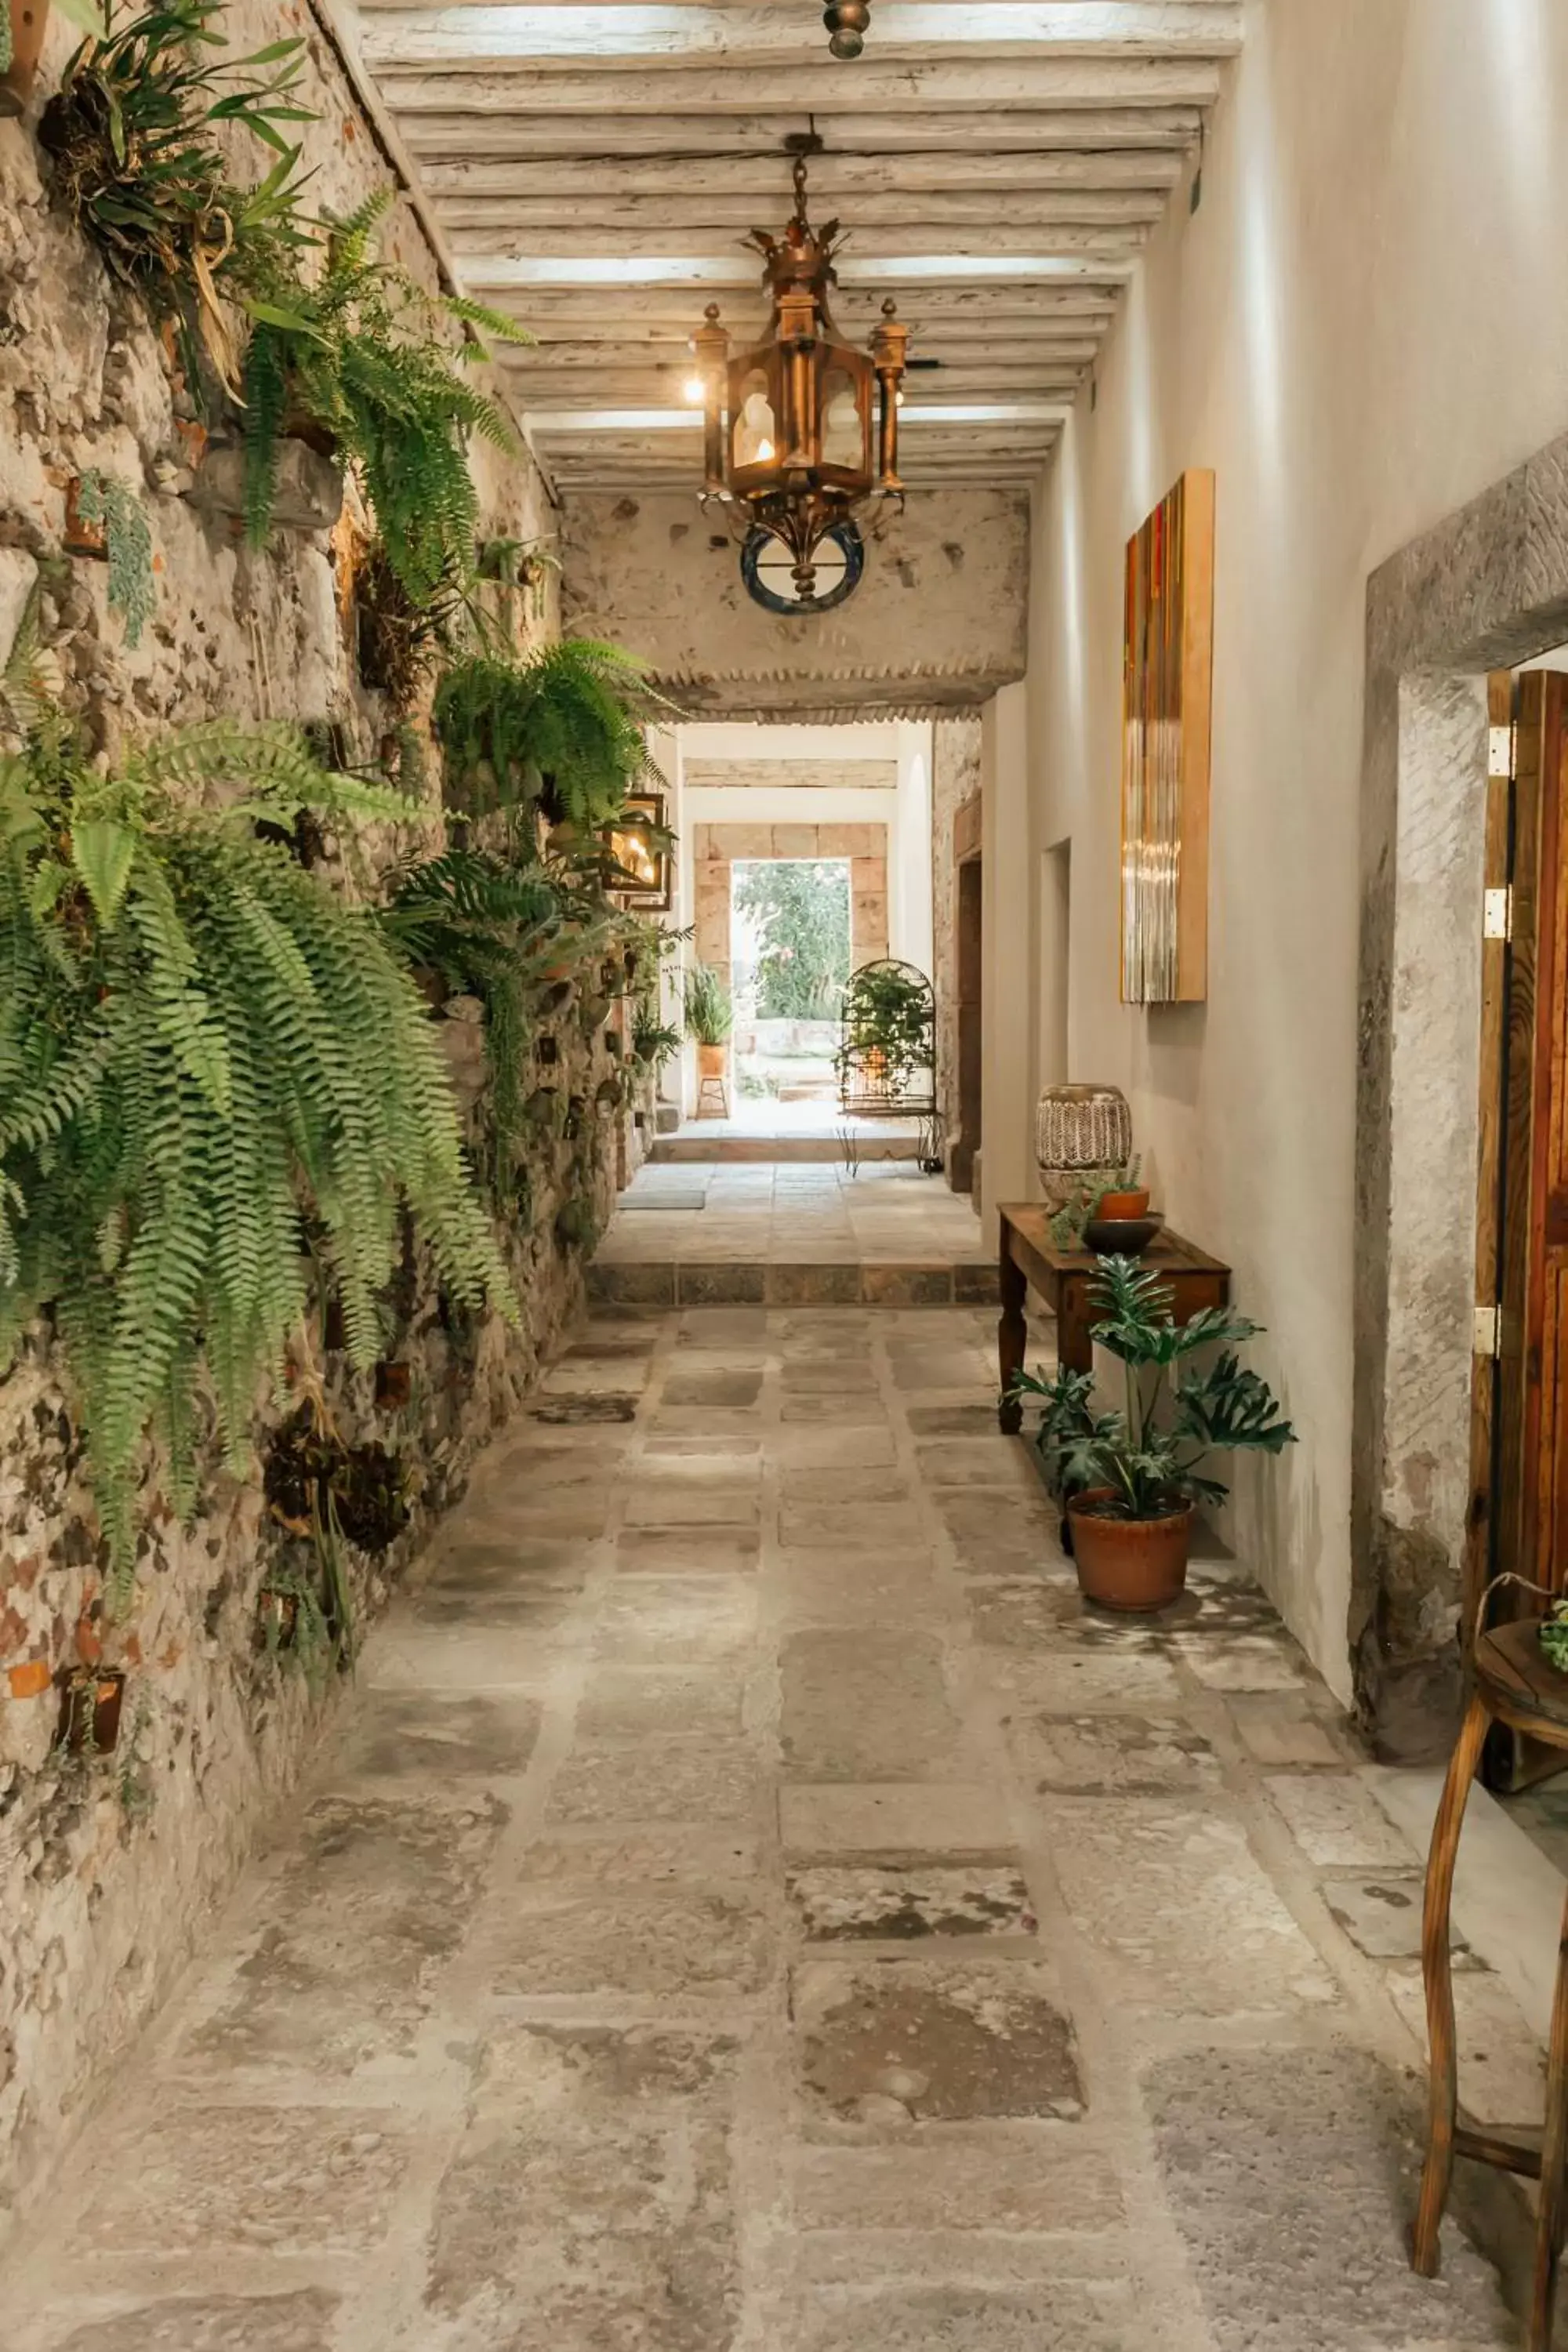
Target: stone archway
1487,589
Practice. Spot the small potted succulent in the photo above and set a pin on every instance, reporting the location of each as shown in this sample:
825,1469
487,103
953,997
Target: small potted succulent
1105,1192
1131,1479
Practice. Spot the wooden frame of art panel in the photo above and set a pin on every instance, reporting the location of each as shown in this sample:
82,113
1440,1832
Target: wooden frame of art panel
1166,717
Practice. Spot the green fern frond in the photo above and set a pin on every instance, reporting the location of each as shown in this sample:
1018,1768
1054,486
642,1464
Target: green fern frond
209,1064
564,728
368,357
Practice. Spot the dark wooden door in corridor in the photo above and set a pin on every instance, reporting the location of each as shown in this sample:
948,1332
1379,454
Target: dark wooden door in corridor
1519,1499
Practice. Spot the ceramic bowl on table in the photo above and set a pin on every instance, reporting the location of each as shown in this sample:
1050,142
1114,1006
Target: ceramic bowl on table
1121,1236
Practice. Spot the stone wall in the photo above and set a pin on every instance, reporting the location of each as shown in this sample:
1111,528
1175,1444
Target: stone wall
955,779
108,1870
940,620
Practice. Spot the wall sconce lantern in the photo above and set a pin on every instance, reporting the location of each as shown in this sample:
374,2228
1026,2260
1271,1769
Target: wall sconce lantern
639,866
801,428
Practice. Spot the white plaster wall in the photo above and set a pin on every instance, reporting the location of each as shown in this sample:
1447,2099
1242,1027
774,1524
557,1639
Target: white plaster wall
1007,1029
909,910
1364,325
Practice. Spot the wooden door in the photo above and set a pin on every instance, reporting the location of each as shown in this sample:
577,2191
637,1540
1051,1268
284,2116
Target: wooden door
971,959
1520,1461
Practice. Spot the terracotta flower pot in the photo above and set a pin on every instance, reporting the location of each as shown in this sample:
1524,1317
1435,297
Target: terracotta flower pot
81,536
1120,1205
712,1061
29,23
1135,1565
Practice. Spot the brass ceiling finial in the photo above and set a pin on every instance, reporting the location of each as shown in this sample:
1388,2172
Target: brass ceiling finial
848,22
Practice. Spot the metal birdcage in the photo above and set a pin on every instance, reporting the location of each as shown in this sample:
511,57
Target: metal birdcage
886,1061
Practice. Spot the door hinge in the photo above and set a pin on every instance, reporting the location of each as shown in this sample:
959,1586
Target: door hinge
1497,915
1487,1339
1500,751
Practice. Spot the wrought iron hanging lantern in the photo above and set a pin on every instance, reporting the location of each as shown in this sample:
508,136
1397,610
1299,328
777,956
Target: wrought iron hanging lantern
801,429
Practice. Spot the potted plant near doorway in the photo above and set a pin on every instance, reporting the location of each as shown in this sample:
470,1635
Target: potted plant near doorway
1131,1479
710,1016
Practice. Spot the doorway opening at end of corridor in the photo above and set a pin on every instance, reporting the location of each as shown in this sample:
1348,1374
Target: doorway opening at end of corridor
790,955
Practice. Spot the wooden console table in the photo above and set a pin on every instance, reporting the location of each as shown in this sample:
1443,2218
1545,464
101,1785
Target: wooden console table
1065,1279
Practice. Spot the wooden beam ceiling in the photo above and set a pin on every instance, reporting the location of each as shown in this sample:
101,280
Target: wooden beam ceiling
593,166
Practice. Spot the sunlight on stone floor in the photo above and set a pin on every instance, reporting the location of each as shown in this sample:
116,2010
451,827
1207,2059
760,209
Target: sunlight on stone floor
749,1906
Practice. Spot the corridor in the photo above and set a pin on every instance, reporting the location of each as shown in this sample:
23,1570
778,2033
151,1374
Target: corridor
748,1904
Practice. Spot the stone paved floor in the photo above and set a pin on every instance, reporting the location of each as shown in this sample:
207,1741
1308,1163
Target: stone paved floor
705,1232
751,1908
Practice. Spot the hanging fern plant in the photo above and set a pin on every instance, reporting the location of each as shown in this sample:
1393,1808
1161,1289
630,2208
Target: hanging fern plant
105,502
361,356
490,926
561,732
206,1056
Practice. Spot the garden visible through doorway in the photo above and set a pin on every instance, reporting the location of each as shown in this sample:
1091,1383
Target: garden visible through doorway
790,958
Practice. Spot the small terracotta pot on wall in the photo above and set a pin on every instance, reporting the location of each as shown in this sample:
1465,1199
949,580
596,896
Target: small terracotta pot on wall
1133,1565
29,23
81,536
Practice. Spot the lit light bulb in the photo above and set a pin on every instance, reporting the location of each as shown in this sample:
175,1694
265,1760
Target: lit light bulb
696,391
898,400
764,451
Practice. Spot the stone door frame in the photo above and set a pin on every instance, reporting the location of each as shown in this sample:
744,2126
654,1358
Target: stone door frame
1487,589
716,847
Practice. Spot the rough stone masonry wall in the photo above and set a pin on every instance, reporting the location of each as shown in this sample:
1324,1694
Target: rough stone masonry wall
106,1873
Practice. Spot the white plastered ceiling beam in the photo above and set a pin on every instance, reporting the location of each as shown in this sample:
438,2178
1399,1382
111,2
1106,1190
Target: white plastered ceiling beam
594,168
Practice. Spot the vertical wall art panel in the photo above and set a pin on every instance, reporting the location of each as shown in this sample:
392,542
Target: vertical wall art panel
1167,678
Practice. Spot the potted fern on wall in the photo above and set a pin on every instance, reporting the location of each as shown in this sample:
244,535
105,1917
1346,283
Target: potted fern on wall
560,732
1133,1477
363,359
213,1069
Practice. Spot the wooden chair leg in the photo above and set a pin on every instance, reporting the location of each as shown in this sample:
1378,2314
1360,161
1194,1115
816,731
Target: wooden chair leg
1438,1982
1553,2158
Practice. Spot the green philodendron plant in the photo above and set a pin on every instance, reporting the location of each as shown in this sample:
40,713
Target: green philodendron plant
1146,1460
213,1070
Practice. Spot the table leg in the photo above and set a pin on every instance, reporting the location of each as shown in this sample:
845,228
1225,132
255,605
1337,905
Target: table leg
1076,1320
1012,1338
1553,2158
1436,1968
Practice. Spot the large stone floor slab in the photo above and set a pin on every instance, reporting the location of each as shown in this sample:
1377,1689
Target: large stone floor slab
1289,2174
1059,2318
868,1705
749,1902
942,2041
